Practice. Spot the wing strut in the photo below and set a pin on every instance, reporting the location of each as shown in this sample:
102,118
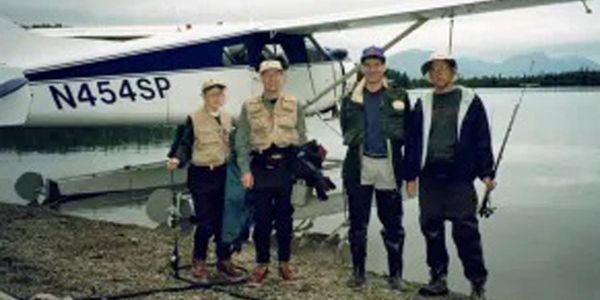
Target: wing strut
351,73
588,10
451,36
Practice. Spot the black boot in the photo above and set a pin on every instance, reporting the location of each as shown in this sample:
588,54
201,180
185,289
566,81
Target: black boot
358,247
358,279
394,252
477,291
437,286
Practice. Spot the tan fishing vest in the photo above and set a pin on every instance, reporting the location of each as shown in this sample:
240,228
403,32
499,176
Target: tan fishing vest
278,127
211,140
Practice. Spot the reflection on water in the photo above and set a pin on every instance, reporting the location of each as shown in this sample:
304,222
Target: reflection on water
69,139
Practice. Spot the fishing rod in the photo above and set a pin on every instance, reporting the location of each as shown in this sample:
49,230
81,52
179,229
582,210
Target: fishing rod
487,209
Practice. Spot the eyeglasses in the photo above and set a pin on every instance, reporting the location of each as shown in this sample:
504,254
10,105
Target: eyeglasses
440,68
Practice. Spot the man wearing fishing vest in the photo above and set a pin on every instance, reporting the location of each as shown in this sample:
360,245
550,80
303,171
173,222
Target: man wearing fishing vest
453,136
269,126
374,120
204,143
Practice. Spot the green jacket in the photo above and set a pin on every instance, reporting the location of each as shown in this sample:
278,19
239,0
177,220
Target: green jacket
395,113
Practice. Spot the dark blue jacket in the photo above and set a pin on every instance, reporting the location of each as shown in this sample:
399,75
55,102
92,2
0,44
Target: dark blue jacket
473,157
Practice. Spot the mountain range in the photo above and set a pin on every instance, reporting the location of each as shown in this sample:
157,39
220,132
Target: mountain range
410,61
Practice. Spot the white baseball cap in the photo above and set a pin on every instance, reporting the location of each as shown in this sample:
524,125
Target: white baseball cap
270,64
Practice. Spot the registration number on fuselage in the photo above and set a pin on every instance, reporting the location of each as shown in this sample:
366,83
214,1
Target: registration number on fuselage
107,92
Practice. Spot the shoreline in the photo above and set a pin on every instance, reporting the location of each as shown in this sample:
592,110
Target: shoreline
42,251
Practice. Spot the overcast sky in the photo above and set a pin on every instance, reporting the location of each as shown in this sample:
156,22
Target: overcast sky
562,29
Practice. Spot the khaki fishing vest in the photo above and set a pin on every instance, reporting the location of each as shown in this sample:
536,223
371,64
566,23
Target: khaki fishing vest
211,140
277,127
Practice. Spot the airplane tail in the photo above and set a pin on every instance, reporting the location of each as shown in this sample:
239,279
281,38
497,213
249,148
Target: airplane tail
17,43
20,52
15,97
27,50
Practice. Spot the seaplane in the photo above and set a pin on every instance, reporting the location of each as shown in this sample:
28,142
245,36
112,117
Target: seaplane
104,77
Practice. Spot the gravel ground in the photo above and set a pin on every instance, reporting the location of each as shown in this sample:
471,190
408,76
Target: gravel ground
42,251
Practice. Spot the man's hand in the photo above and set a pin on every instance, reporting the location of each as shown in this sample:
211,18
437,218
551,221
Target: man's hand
411,188
172,164
490,184
247,180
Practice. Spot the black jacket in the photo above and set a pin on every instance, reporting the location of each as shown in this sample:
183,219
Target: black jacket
181,147
473,153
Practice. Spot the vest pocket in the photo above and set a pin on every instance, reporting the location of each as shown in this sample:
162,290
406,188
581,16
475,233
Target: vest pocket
210,148
287,116
286,121
209,137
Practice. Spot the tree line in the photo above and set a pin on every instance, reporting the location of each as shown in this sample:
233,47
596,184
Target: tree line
583,77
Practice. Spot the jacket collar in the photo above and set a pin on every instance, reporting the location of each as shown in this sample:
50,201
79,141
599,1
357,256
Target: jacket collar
357,93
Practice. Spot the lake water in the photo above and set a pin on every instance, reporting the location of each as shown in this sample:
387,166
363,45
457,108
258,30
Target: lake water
543,242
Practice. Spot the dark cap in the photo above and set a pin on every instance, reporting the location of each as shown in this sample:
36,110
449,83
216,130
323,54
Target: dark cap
373,52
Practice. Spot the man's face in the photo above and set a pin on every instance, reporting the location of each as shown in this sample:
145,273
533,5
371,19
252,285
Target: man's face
374,70
272,80
441,74
214,98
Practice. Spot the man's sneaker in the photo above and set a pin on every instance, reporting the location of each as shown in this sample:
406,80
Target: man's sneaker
477,292
200,271
258,276
286,272
229,271
437,286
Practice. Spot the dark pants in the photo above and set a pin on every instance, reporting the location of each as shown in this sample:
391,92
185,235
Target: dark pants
389,211
272,200
208,193
442,198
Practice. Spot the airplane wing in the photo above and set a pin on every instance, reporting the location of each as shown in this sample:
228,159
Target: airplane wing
29,50
111,33
405,12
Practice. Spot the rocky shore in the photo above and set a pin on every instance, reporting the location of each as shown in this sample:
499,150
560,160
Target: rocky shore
42,251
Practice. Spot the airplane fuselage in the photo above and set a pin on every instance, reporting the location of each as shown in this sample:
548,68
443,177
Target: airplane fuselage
163,85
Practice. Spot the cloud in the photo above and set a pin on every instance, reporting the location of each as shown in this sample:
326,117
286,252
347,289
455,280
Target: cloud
556,29
493,36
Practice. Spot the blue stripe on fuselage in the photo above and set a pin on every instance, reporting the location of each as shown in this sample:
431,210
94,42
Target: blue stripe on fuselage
199,55
194,56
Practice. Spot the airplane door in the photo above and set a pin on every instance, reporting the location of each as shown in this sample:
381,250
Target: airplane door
322,73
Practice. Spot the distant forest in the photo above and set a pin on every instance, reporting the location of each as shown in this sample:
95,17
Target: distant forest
67,139
576,78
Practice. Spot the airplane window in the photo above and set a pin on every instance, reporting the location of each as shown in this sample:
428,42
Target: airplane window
274,50
314,51
235,55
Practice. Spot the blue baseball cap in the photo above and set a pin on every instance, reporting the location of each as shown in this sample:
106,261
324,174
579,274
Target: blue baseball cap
373,52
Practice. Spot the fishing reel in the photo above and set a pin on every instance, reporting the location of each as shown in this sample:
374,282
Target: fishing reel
167,207
487,210
173,209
